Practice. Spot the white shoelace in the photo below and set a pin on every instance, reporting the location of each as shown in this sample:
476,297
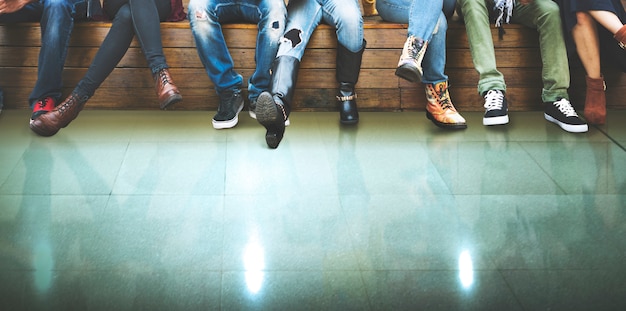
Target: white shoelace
494,100
566,108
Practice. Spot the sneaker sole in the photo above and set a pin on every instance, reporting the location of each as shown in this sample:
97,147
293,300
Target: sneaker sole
496,120
409,73
448,126
582,128
220,125
267,115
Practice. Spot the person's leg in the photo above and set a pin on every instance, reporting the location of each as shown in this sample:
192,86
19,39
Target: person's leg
345,16
146,16
544,16
206,18
112,49
476,17
439,109
273,107
585,35
270,17
422,17
57,21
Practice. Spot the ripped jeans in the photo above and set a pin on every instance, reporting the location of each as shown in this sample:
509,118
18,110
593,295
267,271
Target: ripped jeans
206,18
305,15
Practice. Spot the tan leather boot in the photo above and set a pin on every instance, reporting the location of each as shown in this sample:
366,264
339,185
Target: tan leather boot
439,108
595,101
620,36
369,7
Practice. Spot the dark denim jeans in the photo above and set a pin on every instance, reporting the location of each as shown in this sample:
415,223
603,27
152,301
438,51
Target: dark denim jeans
131,18
57,20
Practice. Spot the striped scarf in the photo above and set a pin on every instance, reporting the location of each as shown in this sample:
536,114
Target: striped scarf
503,7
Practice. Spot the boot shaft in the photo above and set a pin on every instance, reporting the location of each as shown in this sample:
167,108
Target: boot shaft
349,64
284,77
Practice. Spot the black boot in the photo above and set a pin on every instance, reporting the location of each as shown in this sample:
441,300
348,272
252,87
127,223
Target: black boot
348,69
273,107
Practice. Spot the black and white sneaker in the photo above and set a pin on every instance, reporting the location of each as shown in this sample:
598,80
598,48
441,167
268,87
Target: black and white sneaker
231,103
563,114
496,109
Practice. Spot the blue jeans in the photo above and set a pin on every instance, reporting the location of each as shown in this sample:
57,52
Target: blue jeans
206,18
305,15
427,20
57,20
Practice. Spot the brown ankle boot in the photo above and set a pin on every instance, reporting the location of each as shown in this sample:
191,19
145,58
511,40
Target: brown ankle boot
620,36
595,101
166,90
51,122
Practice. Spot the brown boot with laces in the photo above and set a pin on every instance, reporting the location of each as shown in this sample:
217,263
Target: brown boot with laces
166,90
51,122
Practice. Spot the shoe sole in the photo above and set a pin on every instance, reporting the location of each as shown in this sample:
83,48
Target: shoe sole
171,101
496,120
449,126
220,125
267,114
582,128
253,116
40,131
408,73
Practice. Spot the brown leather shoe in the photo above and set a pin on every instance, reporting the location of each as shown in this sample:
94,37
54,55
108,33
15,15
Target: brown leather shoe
51,122
595,101
166,90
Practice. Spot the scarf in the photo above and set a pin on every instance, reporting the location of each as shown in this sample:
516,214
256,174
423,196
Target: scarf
503,7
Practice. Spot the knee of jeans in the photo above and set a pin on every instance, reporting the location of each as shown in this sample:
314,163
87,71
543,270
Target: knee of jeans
290,40
200,19
123,15
63,4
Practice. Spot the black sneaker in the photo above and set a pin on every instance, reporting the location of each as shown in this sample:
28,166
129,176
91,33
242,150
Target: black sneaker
563,114
231,103
496,109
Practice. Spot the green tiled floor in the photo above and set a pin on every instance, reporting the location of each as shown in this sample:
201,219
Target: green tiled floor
158,211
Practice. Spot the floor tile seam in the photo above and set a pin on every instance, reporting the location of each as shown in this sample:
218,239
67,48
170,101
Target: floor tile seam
615,141
509,287
543,169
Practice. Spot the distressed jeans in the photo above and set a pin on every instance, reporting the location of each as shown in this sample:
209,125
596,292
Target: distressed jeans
57,20
427,20
306,15
206,18
542,15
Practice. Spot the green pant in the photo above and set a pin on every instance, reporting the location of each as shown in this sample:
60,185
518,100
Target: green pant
542,15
